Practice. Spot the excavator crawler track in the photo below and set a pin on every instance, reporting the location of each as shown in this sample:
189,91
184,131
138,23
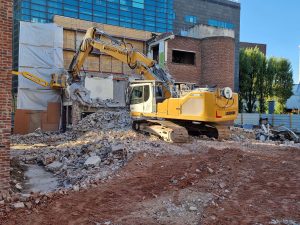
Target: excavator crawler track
223,131
167,130
214,130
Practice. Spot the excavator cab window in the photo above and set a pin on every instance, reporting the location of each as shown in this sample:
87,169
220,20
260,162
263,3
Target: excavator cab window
158,91
146,93
159,94
139,94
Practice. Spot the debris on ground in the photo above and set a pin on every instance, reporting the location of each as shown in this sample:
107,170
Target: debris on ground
242,134
280,133
105,119
265,133
17,174
78,93
250,185
133,177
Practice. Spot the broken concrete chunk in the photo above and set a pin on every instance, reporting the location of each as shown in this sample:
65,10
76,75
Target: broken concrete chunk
193,208
55,166
48,158
76,188
222,185
18,186
93,161
117,147
18,205
28,205
210,170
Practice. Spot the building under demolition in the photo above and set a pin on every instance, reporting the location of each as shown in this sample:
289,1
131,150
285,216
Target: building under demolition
157,16
204,57
203,51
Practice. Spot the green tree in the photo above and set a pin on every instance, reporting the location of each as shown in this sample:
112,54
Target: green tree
283,81
252,78
262,84
262,79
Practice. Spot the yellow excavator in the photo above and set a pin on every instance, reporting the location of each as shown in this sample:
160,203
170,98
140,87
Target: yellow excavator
158,104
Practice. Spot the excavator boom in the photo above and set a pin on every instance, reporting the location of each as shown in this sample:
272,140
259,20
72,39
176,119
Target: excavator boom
123,52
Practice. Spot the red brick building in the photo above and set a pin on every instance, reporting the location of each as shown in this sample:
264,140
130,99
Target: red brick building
6,15
207,61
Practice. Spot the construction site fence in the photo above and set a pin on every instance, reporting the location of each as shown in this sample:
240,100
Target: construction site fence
291,121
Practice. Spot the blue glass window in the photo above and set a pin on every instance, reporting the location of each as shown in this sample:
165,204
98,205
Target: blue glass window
220,24
99,19
113,22
191,19
154,16
85,17
138,4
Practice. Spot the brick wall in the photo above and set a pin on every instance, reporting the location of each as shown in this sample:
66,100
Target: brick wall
5,89
214,62
217,61
182,72
204,10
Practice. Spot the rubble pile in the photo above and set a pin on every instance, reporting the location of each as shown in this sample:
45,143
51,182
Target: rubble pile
10,200
241,134
91,157
90,153
78,93
278,135
42,137
105,119
79,159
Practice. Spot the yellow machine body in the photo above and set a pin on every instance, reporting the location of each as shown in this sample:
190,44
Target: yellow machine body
202,105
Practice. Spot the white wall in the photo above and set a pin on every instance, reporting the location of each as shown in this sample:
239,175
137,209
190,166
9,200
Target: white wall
102,88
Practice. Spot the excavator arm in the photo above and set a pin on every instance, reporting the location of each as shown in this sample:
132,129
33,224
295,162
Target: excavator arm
32,77
123,52
54,83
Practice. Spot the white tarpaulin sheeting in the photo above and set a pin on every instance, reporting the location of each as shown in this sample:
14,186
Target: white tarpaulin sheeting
40,53
38,99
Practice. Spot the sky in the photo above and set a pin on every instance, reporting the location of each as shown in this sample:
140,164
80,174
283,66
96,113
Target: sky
275,23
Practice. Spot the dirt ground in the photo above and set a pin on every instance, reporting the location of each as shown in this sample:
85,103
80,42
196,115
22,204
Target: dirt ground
228,185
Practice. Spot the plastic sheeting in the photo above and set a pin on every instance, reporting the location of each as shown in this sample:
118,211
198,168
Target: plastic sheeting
294,101
40,53
36,99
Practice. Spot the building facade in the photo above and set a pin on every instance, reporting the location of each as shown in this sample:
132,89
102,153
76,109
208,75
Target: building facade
6,18
217,13
190,59
148,15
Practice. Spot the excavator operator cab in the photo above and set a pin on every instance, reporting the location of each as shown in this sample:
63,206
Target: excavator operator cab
144,95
